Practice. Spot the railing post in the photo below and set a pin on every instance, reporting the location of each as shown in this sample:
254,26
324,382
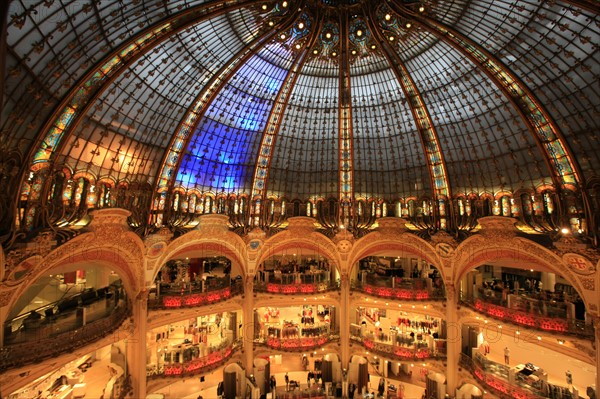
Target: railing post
453,340
136,346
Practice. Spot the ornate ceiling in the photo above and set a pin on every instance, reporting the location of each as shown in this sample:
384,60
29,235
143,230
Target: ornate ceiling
304,99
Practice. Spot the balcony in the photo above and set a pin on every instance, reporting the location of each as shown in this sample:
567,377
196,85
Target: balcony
497,378
408,289
536,317
193,296
216,357
49,345
296,288
297,344
415,350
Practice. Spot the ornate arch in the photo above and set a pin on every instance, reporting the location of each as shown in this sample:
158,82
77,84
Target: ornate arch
119,254
219,240
377,242
520,253
300,239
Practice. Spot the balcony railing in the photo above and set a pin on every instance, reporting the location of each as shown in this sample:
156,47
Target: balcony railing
215,358
531,320
495,377
294,289
187,299
35,351
417,351
297,344
408,289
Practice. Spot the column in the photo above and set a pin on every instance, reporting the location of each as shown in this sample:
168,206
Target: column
597,338
345,320
453,340
248,315
3,315
136,346
548,281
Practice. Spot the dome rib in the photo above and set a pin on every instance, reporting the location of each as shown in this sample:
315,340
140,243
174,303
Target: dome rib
271,131
429,138
563,169
181,140
83,94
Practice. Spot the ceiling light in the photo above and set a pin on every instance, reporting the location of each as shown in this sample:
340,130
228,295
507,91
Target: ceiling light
408,25
298,46
271,23
315,52
264,6
301,25
282,36
359,33
391,38
328,35
284,4
422,8
388,17
353,52
564,230
373,47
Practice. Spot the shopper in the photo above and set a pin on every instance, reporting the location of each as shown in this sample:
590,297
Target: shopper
506,355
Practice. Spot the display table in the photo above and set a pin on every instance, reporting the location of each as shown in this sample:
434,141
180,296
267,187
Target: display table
527,372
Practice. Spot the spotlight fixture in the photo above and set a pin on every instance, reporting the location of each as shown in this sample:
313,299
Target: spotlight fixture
359,33
422,8
408,25
301,25
388,17
283,36
284,4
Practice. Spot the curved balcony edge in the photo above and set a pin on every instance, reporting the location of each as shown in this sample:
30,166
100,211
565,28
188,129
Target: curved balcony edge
530,320
398,352
18,355
503,388
195,299
197,366
402,294
298,344
295,289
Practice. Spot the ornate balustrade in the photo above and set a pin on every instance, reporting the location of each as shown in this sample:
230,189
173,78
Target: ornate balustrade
298,344
413,352
186,299
292,289
496,381
553,324
214,359
18,355
410,293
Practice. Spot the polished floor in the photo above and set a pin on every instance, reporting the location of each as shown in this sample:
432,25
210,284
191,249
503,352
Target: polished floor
192,388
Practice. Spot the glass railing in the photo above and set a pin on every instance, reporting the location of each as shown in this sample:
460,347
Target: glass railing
417,350
296,288
37,350
186,299
529,319
216,357
419,289
496,377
